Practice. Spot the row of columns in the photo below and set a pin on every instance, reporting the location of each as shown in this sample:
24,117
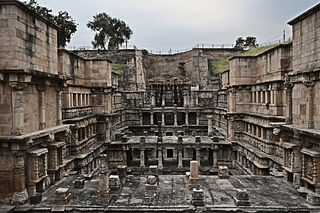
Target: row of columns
186,100
175,119
180,165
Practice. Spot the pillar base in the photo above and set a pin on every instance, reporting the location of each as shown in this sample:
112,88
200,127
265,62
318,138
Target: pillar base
180,166
20,198
160,166
193,183
103,197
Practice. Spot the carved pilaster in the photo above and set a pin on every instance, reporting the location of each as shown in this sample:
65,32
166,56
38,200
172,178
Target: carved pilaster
309,101
42,109
17,106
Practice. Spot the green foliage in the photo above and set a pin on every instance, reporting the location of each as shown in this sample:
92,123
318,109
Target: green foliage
118,68
218,66
248,43
67,25
111,31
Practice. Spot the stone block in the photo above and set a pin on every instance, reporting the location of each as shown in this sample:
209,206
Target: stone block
122,171
114,182
36,198
313,199
62,196
197,197
242,198
223,172
79,183
151,187
296,180
154,170
194,170
103,196
193,183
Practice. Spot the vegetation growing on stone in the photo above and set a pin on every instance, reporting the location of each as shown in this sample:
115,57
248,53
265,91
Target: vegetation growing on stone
218,66
259,50
118,68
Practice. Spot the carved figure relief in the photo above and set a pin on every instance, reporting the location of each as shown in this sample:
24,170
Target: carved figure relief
99,99
310,168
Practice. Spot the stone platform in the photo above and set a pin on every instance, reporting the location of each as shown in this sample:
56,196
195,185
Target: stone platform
266,194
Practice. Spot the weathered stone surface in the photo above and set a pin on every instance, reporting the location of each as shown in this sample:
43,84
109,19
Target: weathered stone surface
62,196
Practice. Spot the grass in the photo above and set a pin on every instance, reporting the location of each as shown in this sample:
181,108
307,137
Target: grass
218,66
259,50
118,68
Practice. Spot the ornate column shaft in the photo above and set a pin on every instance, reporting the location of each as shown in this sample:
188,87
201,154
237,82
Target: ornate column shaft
309,107
187,118
288,86
180,166
142,163
160,165
151,118
42,108
59,106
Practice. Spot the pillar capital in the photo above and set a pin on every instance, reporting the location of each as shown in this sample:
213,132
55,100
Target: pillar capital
18,85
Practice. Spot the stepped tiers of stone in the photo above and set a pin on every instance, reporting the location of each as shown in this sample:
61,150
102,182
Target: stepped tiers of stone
79,130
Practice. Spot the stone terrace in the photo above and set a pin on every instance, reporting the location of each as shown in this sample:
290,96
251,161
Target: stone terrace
266,193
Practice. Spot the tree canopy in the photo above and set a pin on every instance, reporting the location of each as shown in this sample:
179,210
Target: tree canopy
247,43
108,31
67,25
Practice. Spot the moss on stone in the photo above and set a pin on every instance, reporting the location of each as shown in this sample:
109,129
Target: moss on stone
218,66
118,68
259,50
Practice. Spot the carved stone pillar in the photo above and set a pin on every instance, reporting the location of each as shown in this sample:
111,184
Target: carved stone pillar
215,156
163,122
17,107
175,119
160,165
142,163
42,108
185,99
163,100
187,118
288,86
233,102
140,118
151,118
59,106
153,100
124,151
104,190
180,166
198,118
309,107
197,98
210,131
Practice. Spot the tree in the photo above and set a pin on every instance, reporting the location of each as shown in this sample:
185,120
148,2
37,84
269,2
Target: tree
111,31
248,43
67,25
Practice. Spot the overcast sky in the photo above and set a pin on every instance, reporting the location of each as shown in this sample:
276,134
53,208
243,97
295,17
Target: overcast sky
161,25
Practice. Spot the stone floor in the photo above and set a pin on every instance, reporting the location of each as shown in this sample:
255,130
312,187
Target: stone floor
267,194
